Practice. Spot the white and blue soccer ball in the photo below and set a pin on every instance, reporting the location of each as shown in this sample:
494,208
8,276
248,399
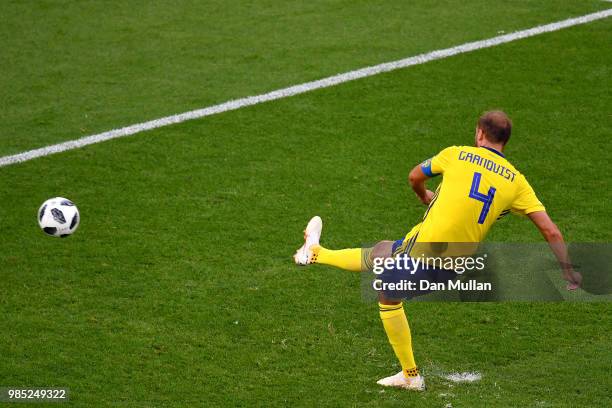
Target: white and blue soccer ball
58,217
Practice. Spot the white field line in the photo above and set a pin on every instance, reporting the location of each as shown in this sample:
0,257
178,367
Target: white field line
301,88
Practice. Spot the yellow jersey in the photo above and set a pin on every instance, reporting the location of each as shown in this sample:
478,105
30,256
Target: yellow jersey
478,187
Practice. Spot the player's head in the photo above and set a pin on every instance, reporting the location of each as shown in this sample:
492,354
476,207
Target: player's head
493,128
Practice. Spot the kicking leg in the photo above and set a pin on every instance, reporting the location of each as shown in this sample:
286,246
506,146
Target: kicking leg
350,259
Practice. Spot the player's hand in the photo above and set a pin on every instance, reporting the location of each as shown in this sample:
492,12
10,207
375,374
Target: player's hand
573,278
426,199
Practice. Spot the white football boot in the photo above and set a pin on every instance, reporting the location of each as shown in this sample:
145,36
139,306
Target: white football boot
399,380
312,234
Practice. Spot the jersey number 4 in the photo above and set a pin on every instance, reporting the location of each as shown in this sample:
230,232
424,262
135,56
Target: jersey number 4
487,199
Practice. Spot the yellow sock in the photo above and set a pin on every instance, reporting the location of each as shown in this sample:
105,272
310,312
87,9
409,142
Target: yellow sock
350,259
396,325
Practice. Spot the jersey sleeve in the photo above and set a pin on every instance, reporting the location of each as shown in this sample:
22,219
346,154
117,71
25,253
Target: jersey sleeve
439,163
526,200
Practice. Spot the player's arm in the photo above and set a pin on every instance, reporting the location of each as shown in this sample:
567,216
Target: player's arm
553,236
417,179
433,167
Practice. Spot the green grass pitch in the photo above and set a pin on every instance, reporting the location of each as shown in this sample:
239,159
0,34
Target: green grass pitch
179,289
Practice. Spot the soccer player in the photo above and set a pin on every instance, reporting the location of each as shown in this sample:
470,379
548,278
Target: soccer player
479,185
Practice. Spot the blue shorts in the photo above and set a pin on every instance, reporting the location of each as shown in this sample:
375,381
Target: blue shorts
410,278
396,245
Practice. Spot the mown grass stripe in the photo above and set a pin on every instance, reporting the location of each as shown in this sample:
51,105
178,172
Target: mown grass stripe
301,88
